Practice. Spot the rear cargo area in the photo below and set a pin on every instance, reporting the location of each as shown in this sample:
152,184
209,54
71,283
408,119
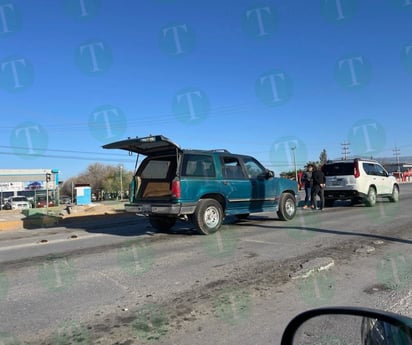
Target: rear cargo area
154,178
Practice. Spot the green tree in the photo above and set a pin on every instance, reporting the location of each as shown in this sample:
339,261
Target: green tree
323,157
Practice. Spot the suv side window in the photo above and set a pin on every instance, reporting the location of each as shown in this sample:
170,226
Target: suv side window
253,167
369,168
198,166
380,171
231,168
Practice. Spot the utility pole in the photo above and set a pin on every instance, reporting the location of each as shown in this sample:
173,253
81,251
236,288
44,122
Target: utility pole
48,179
294,162
72,193
397,153
345,148
121,182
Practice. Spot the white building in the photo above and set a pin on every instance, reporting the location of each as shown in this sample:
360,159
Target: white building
28,182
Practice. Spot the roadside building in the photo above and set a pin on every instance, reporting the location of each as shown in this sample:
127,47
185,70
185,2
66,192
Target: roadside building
402,171
35,184
83,194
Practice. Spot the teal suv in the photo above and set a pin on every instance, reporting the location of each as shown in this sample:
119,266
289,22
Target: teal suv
202,186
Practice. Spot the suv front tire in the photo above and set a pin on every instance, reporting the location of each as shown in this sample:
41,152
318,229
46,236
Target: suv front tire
287,207
395,194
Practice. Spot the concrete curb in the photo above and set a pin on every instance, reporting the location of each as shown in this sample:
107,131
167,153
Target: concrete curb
32,222
11,225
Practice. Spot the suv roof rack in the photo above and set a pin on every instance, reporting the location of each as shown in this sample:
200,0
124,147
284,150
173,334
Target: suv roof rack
219,150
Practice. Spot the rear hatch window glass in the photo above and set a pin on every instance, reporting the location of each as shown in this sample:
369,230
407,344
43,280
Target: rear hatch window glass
338,169
156,169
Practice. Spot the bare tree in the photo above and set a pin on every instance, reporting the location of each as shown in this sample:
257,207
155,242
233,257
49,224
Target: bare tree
101,178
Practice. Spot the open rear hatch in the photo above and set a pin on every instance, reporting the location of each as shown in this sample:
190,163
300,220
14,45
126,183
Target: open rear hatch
154,178
147,146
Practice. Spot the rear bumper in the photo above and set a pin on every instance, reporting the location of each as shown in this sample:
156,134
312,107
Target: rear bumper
343,194
176,209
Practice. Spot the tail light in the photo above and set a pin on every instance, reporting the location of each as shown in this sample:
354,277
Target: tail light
356,168
176,191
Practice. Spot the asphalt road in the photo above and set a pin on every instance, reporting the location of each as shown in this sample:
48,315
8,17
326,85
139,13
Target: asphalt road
115,281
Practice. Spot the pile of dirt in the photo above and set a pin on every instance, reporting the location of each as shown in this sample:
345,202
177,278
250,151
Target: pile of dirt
43,217
91,209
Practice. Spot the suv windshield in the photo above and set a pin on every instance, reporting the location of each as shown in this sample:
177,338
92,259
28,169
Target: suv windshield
18,198
338,169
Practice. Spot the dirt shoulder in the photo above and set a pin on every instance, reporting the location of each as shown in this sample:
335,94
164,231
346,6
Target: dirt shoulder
40,217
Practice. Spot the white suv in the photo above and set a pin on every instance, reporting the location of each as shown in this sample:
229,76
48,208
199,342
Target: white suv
358,180
17,203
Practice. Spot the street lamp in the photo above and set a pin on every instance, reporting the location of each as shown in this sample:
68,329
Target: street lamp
294,162
121,182
48,179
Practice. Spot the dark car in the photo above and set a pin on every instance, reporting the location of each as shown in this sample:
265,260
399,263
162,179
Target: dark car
42,202
65,199
202,186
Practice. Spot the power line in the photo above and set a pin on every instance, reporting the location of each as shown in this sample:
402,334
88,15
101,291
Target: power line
163,118
60,150
66,157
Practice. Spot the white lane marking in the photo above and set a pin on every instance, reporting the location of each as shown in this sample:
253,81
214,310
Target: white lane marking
38,243
265,242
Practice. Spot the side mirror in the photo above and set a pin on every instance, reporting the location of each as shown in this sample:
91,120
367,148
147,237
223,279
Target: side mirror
269,174
346,325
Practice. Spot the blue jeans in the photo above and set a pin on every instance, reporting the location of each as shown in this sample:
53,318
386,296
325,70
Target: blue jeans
308,197
317,190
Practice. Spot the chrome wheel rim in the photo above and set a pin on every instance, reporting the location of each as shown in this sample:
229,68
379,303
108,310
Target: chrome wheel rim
212,217
290,207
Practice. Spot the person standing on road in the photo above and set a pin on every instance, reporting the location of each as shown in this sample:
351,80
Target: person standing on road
318,188
307,183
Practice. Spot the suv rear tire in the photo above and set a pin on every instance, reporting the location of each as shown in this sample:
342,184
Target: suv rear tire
287,207
162,223
371,197
208,216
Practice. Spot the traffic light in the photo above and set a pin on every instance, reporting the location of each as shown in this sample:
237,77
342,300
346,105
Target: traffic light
48,177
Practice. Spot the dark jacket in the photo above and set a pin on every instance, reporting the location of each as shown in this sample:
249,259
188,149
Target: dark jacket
307,178
318,177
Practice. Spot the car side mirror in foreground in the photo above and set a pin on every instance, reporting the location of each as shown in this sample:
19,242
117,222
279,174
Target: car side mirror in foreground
269,174
347,325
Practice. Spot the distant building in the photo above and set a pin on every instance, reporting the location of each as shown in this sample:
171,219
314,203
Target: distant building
28,182
83,194
402,171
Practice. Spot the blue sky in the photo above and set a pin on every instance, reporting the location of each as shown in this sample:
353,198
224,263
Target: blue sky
265,78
